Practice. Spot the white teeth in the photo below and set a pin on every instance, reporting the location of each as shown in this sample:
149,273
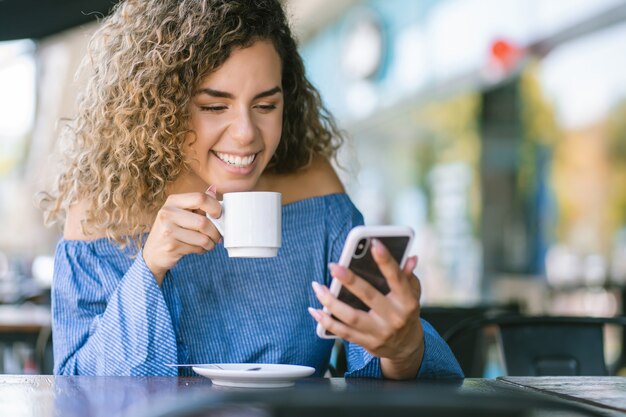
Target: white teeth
235,160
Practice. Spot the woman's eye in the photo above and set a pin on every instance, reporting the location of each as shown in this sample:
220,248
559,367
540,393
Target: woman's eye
266,107
213,108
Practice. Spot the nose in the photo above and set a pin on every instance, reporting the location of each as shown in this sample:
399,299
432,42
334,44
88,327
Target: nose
243,129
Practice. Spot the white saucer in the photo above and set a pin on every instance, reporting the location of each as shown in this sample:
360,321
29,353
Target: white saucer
240,375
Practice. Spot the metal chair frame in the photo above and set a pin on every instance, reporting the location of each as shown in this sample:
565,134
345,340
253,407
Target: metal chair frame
545,345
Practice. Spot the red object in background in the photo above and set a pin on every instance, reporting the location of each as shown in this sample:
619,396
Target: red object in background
505,55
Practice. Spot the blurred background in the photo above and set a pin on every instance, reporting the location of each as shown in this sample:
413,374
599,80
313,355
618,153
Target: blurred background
495,128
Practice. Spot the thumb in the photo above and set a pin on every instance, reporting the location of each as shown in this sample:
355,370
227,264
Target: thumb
212,190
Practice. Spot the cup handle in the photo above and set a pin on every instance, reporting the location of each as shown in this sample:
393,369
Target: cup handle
219,222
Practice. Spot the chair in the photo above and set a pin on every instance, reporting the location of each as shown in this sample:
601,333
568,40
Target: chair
545,345
44,351
470,349
338,364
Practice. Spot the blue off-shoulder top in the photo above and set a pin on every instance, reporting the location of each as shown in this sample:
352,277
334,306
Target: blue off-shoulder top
111,318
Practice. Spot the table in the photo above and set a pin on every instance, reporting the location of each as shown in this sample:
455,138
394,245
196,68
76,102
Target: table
86,396
606,392
28,324
23,319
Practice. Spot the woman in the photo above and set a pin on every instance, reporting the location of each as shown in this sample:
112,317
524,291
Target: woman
189,100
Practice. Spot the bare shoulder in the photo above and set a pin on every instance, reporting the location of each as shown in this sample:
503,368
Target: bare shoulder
73,230
322,171
317,179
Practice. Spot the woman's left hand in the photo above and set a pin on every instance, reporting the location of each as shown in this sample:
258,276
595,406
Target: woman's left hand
391,329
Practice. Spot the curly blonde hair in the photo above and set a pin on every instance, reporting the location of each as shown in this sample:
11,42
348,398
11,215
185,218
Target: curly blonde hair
126,142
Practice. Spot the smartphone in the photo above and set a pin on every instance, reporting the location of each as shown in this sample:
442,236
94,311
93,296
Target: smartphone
357,256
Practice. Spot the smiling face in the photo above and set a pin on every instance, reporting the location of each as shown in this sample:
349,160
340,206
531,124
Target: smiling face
236,113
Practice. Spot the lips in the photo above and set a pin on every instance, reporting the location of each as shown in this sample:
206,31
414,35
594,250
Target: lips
237,161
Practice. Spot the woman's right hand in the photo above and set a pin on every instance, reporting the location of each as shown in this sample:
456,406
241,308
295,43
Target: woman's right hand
180,228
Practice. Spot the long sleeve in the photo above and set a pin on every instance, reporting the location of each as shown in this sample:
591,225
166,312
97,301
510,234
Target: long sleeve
107,321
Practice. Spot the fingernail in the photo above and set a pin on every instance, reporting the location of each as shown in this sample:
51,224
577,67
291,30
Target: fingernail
211,190
377,247
314,313
411,263
317,287
337,271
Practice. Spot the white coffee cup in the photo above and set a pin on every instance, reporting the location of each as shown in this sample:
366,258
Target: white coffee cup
250,224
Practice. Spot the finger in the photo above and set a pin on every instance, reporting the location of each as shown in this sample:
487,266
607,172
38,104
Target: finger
408,269
352,317
362,289
216,212
211,192
195,201
410,265
193,238
389,311
173,249
178,217
186,249
338,328
389,267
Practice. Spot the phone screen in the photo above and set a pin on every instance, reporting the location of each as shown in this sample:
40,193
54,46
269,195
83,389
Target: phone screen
362,264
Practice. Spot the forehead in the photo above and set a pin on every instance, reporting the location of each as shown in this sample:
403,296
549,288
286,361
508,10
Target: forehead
257,64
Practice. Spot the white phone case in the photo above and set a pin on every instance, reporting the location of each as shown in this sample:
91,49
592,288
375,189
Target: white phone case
361,234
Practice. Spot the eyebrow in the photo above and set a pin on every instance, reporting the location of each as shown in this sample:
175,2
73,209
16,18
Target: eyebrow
224,94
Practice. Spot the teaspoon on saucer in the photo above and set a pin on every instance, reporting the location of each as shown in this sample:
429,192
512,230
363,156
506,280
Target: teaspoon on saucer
204,365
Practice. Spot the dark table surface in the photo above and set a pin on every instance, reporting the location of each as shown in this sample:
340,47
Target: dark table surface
42,396
607,392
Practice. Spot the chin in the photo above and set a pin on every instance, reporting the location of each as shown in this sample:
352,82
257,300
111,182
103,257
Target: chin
235,186
233,189
228,183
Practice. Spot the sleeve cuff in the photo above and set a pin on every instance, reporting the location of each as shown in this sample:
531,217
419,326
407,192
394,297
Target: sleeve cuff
362,364
438,361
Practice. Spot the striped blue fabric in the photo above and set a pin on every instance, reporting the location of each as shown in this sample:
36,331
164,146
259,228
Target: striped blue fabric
111,318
